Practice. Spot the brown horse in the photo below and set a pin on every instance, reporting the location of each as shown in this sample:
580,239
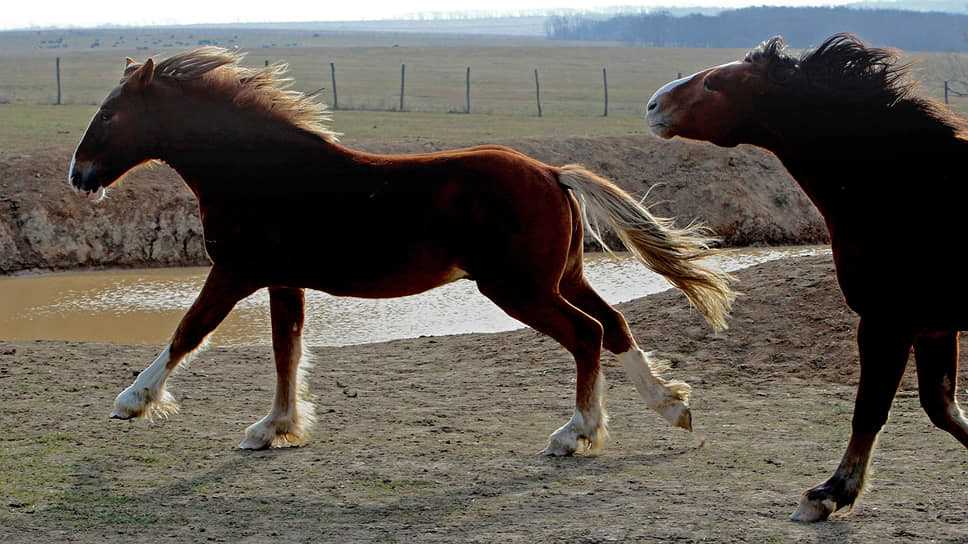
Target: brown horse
272,184
885,169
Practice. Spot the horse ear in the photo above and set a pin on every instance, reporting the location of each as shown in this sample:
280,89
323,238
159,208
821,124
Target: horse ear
130,65
142,77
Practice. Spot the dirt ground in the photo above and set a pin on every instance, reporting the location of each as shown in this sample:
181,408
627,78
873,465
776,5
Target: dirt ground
435,440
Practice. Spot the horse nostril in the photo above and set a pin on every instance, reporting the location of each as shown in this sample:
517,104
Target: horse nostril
653,105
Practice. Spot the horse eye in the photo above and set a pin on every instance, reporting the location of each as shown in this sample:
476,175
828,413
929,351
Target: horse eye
706,86
105,116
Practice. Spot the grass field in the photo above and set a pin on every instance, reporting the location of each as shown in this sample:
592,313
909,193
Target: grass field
368,76
368,80
29,127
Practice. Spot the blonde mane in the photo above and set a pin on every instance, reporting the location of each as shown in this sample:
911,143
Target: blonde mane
266,90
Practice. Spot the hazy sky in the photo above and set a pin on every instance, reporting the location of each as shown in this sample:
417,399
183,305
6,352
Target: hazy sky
25,13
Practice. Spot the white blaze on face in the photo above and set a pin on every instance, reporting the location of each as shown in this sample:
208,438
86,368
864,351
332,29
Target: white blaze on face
657,113
70,170
80,169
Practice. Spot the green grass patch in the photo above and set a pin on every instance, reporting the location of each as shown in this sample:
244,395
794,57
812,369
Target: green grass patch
32,471
25,128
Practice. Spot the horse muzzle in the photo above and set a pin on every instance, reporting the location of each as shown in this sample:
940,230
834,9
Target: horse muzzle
82,177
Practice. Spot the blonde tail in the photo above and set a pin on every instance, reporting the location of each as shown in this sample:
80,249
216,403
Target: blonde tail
655,241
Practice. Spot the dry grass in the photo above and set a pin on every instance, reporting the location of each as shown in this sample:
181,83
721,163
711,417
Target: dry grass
368,79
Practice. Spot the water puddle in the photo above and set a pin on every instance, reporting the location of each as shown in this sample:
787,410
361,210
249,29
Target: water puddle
144,306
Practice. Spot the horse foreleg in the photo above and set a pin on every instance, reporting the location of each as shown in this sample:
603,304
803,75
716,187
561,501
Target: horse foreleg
292,415
884,353
147,396
937,359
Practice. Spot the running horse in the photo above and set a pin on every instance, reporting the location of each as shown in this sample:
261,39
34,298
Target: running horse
274,186
886,169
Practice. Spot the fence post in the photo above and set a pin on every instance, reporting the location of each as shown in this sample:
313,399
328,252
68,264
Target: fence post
946,92
267,63
605,85
537,91
332,73
678,75
57,71
403,78
467,91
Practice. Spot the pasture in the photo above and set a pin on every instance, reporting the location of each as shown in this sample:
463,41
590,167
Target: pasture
368,81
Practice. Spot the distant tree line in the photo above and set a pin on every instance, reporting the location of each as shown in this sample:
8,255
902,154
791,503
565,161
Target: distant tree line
743,28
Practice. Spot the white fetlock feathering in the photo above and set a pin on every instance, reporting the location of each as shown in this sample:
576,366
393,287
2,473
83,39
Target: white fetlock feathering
588,429
147,396
285,426
669,398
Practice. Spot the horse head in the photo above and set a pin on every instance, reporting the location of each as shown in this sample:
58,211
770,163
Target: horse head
118,138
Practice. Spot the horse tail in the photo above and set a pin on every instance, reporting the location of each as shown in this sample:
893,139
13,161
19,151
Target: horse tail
655,241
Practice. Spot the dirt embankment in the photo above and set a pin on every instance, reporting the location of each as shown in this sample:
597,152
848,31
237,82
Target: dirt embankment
435,439
151,218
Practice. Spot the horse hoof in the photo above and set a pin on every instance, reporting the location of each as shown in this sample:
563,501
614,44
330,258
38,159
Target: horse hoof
557,450
263,443
252,443
277,433
133,403
684,421
814,510
678,414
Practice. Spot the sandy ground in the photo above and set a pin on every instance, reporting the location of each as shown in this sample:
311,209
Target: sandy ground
435,440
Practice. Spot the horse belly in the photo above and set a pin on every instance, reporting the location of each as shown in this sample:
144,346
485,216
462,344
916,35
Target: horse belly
350,275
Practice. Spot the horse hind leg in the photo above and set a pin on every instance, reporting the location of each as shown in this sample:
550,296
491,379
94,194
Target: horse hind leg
292,415
669,398
581,335
936,355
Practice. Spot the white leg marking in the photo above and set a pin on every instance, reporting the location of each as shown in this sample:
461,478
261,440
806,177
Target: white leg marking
287,425
588,428
669,398
147,396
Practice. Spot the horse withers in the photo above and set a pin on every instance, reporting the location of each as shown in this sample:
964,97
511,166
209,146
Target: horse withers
273,185
885,167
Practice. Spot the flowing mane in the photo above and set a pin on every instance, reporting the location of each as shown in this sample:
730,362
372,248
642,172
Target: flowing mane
267,90
844,71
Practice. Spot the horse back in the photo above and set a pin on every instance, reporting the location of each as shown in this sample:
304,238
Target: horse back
385,225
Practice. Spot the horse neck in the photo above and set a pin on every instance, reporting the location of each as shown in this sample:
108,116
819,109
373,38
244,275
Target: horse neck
213,146
829,148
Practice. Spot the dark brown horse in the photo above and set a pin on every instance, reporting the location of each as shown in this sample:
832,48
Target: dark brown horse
886,169
274,186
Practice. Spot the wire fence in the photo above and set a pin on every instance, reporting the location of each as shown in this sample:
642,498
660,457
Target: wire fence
401,103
